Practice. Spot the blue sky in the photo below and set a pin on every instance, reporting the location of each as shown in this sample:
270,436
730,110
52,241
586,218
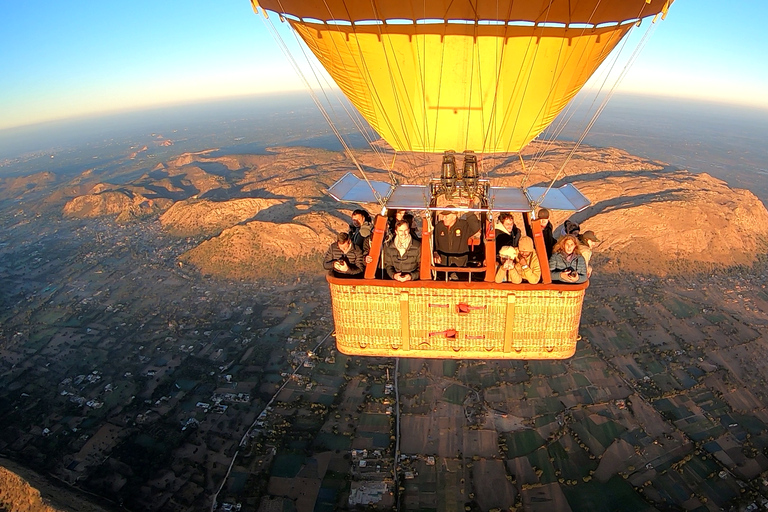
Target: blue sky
70,59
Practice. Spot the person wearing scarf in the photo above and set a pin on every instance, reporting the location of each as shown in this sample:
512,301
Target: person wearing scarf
402,255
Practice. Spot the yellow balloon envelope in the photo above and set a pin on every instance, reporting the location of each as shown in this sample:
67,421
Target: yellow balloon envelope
453,75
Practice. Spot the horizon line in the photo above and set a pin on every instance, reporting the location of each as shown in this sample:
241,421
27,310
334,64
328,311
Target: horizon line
93,116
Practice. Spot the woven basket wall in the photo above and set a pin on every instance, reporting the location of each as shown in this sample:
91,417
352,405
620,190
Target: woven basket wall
456,323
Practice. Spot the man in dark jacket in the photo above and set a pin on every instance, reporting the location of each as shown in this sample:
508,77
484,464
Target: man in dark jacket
344,258
361,229
452,236
402,255
546,230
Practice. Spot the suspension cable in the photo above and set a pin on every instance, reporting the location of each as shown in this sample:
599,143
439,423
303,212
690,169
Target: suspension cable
323,111
603,104
539,154
373,91
356,116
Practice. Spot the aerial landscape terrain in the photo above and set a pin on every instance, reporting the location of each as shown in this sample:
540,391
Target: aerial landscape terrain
166,343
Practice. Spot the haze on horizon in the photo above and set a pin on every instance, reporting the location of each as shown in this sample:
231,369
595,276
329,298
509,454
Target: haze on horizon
723,140
70,61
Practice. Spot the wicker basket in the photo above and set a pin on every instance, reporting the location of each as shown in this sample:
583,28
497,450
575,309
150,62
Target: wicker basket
449,320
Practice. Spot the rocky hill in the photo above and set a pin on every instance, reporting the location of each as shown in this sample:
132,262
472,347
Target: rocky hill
675,221
267,249
21,186
18,496
265,210
656,219
23,490
199,216
124,204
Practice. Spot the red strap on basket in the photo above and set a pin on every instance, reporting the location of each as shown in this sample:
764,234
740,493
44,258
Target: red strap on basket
448,333
463,308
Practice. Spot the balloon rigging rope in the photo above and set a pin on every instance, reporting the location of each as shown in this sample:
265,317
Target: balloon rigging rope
438,110
610,94
353,115
421,55
401,106
539,154
392,84
471,87
364,71
528,79
374,94
330,119
499,64
379,151
570,111
318,103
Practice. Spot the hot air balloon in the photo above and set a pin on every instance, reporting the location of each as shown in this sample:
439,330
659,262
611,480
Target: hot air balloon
478,77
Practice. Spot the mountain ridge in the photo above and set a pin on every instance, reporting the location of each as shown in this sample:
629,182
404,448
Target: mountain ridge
650,217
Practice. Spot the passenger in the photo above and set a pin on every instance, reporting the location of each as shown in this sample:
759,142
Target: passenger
402,255
519,264
401,215
567,228
343,257
408,217
391,221
507,234
588,241
546,230
367,258
452,236
360,230
566,264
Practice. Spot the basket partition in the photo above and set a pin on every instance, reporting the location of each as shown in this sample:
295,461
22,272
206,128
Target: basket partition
430,319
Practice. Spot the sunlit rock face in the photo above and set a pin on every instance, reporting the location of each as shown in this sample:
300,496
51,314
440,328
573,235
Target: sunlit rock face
258,208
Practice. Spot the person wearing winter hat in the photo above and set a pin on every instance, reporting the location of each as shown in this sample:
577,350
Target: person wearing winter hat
588,241
546,229
519,264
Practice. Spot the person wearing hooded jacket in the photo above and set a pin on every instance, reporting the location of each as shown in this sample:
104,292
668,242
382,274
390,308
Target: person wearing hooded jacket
519,264
507,234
